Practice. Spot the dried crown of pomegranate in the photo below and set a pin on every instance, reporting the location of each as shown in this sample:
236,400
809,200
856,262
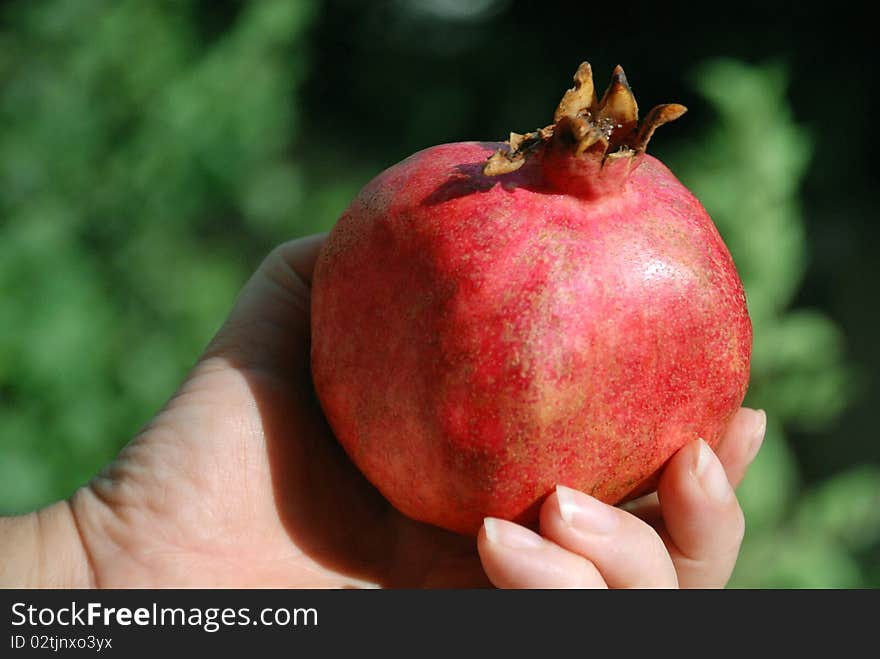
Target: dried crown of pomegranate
606,128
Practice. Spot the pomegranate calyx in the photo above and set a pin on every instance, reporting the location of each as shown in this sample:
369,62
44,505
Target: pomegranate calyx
581,124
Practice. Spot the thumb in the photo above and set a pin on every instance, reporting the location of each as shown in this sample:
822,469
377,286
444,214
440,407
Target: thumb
268,328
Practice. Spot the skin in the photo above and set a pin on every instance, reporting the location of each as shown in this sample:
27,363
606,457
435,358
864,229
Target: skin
517,334
239,482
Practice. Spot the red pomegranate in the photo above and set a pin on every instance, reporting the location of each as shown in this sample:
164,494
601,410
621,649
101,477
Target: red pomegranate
489,321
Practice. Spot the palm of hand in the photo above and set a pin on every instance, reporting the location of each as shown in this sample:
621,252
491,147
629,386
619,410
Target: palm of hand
239,481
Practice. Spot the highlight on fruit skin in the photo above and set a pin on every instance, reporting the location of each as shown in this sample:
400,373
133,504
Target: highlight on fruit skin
607,128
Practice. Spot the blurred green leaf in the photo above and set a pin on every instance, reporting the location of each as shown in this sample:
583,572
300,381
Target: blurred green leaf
768,491
135,154
845,507
781,559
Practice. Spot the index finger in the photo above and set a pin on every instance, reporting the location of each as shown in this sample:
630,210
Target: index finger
268,327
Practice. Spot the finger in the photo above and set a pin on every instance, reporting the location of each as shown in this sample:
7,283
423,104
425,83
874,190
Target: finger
268,327
646,508
627,552
703,521
737,449
741,442
515,557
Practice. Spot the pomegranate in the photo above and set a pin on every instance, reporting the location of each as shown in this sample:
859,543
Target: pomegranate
491,320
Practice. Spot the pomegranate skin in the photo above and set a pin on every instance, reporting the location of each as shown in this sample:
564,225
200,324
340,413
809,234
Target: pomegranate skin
478,340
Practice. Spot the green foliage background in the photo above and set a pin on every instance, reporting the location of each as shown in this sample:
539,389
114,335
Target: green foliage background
152,152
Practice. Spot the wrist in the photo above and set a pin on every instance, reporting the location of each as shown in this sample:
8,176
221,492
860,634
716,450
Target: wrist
44,549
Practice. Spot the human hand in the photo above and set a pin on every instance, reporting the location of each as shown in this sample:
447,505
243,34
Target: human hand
238,481
687,534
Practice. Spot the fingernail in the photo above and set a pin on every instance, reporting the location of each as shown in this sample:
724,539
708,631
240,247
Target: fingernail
508,534
585,513
711,476
760,428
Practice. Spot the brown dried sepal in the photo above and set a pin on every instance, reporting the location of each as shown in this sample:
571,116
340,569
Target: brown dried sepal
507,161
579,98
607,127
659,115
